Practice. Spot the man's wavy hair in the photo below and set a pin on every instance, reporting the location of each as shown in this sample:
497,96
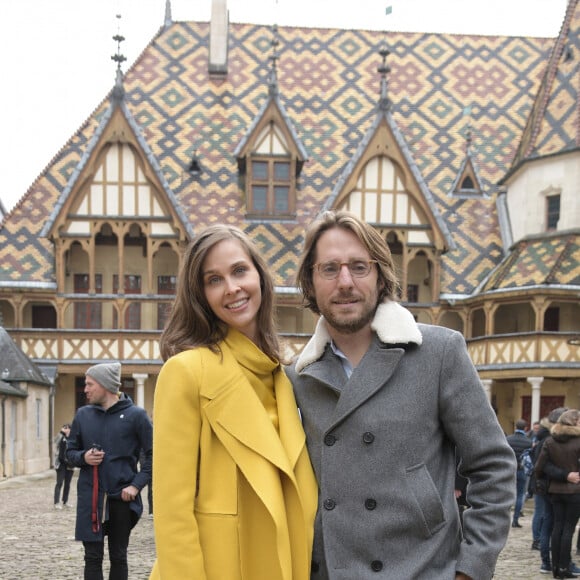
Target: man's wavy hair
192,322
375,245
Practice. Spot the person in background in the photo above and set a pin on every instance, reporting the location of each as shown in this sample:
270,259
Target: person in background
561,452
106,437
533,435
543,519
519,442
386,402
234,494
64,472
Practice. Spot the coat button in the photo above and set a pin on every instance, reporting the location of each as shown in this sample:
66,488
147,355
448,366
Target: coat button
368,437
370,504
329,504
329,440
376,565
315,567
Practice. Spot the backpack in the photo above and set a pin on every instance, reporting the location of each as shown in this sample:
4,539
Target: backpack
526,462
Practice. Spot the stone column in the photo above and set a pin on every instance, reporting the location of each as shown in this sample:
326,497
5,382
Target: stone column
536,383
487,387
140,390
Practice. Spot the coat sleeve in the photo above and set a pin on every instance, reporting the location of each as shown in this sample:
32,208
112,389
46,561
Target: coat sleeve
176,440
487,461
546,467
75,449
145,435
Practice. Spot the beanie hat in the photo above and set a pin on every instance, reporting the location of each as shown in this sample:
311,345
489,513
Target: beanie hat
108,375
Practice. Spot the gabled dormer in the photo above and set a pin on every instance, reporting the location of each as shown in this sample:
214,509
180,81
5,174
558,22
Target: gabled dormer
117,228
467,182
383,185
270,156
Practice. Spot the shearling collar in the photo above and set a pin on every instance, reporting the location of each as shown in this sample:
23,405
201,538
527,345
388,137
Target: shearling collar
560,431
392,323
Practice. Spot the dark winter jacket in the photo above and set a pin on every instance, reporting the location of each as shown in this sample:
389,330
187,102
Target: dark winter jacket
60,454
122,431
563,450
519,442
539,482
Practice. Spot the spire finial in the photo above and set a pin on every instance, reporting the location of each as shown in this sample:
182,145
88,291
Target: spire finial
168,19
118,91
468,130
384,70
273,82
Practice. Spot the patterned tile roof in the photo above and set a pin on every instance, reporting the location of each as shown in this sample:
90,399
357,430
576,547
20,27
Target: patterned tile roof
554,124
329,86
553,260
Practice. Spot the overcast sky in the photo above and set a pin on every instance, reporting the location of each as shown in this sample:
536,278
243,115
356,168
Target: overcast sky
57,67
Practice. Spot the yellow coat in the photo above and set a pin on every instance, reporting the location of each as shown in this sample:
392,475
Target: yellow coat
233,498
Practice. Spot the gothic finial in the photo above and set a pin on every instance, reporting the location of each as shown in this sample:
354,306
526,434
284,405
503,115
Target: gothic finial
118,38
273,82
384,70
468,131
168,19
118,91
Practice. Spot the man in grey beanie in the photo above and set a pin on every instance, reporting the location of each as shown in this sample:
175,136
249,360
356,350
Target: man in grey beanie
107,436
108,375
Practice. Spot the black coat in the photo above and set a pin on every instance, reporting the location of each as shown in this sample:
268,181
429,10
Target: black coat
122,430
519,442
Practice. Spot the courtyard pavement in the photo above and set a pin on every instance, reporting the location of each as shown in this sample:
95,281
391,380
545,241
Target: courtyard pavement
37,541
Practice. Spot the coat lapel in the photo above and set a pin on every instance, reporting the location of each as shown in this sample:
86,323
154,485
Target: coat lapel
238,418
372,374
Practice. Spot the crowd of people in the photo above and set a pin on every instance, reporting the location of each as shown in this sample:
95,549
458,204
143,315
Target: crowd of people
375,451
552,482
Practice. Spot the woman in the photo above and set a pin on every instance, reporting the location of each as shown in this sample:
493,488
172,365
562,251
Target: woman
234,493
561,452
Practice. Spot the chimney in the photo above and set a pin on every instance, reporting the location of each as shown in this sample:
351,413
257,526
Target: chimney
218,38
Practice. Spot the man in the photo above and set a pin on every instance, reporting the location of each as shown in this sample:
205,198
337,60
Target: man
519,442
106,437
385,404
64,472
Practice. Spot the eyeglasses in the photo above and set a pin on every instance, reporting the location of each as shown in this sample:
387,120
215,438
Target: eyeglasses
357,268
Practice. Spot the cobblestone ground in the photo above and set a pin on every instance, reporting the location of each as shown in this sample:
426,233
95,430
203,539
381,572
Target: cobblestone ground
37,541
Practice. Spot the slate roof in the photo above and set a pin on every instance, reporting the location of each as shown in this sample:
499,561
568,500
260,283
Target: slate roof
329,86
16,367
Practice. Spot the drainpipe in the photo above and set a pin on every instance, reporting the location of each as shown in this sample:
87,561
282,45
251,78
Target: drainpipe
3,455
51,395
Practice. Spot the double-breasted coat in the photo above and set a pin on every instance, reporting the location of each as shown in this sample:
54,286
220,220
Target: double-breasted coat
383,444
234,498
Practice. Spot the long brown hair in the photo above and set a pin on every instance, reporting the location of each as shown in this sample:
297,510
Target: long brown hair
192,322
375,245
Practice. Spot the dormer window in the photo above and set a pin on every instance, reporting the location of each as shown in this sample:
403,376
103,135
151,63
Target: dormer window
270,161
467,183
270,186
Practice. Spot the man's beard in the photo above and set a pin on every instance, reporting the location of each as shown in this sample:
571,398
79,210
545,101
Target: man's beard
350,326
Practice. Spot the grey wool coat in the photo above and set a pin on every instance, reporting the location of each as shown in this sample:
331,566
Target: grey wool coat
383,443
